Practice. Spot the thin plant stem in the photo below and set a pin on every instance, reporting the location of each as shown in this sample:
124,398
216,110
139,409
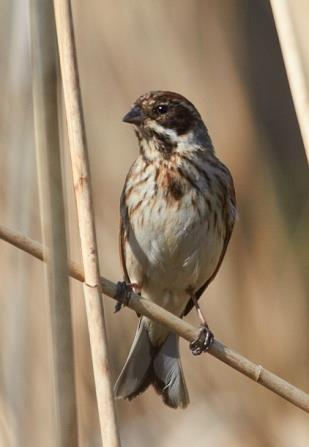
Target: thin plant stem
295,66
44,83
81,179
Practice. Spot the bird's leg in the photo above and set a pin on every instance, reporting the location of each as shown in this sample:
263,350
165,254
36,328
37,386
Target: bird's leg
205,337
123,293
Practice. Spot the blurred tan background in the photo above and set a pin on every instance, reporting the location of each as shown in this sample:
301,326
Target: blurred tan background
225,57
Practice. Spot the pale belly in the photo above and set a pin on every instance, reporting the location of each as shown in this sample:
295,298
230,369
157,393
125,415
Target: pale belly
172,251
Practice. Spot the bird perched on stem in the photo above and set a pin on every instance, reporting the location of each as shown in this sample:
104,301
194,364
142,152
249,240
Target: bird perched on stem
177,214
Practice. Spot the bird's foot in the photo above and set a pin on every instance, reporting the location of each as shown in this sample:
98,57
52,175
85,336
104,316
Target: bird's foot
203,342
123,294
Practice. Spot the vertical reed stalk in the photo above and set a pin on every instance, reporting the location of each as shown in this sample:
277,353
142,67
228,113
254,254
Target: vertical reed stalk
294,66
44,72
81,178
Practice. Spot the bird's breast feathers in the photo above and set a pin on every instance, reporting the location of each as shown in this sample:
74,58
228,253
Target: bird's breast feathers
173,241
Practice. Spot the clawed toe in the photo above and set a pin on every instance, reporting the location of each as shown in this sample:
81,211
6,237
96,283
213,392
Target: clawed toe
203,341
123,294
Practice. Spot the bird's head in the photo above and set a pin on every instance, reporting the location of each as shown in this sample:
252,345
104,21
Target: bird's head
167,121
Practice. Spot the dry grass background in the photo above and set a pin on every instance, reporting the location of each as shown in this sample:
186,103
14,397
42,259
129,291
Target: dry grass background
225,57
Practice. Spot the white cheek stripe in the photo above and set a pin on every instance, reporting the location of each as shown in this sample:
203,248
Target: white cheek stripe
163,131
171,133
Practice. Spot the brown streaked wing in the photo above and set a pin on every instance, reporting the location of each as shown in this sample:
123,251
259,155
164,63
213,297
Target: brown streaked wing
122,237
202,289
122,253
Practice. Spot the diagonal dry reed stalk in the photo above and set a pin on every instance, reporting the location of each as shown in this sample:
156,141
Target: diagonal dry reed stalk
145,307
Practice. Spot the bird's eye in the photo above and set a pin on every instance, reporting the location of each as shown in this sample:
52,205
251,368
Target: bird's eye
161,109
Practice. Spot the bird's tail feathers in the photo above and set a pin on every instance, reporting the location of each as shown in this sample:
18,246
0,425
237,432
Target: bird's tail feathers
159,366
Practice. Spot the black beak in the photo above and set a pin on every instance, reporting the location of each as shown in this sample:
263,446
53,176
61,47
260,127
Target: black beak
134,116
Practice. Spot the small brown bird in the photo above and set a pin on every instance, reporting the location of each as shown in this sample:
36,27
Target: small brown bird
177,209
